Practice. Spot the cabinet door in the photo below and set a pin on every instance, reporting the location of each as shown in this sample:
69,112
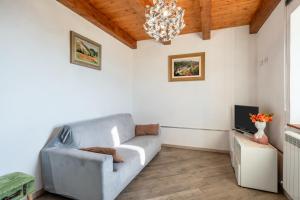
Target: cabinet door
237,161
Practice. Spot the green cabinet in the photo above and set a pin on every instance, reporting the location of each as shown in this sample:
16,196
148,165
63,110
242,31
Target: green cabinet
16,186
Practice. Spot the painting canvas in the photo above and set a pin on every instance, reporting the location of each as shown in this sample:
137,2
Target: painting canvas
187,67
85,52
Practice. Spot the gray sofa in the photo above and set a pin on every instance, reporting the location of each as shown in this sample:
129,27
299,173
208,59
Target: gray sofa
83,175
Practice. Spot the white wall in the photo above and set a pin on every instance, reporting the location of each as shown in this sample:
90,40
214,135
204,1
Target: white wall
203,139
271,72
40,89
295,67
230,79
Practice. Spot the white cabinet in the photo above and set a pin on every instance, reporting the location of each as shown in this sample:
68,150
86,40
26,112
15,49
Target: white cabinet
255,165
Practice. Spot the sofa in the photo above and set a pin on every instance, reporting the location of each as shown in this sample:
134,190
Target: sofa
83,175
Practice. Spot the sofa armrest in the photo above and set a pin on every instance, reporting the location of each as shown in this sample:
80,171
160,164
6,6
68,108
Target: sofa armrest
75,173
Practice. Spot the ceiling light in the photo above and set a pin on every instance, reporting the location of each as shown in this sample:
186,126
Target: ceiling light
164,21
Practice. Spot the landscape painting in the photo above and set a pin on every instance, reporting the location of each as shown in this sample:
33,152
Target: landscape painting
85,52
187,67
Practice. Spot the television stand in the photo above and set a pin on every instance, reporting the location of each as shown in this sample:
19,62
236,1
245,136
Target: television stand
255,165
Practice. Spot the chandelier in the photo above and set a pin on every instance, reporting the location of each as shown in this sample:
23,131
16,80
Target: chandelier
164,21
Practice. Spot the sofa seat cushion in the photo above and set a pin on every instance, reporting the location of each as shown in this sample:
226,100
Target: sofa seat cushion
140,150
136,153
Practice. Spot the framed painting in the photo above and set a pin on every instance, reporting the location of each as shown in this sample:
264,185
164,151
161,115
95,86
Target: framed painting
187,67
85,52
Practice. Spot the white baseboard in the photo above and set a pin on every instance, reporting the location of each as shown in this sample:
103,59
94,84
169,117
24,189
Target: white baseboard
216,140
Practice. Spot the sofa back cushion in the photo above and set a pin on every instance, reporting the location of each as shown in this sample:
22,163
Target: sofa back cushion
103,132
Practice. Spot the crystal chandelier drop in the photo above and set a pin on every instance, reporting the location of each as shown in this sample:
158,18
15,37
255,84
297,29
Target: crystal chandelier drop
164,20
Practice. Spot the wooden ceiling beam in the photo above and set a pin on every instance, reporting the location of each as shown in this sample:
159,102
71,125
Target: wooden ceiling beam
262,14
87,11
205,6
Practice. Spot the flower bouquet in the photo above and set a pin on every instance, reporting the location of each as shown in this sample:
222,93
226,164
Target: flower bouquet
260,120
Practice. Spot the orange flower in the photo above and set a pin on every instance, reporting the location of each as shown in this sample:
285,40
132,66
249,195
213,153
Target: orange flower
261,117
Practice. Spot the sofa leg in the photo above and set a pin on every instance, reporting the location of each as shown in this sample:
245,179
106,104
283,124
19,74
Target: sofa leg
29,197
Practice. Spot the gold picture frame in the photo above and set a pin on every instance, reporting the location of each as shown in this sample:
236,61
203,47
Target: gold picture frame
187,67
85,52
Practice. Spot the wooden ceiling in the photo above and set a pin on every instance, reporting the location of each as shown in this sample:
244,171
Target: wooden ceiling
124,19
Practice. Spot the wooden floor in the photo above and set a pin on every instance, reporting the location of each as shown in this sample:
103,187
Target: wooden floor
178,174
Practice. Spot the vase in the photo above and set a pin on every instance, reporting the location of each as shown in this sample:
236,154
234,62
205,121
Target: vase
260,130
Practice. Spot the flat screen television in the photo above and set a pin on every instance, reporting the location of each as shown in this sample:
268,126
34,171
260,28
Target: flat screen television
242,119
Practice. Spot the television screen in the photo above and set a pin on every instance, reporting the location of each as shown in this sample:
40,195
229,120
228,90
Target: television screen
242,118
